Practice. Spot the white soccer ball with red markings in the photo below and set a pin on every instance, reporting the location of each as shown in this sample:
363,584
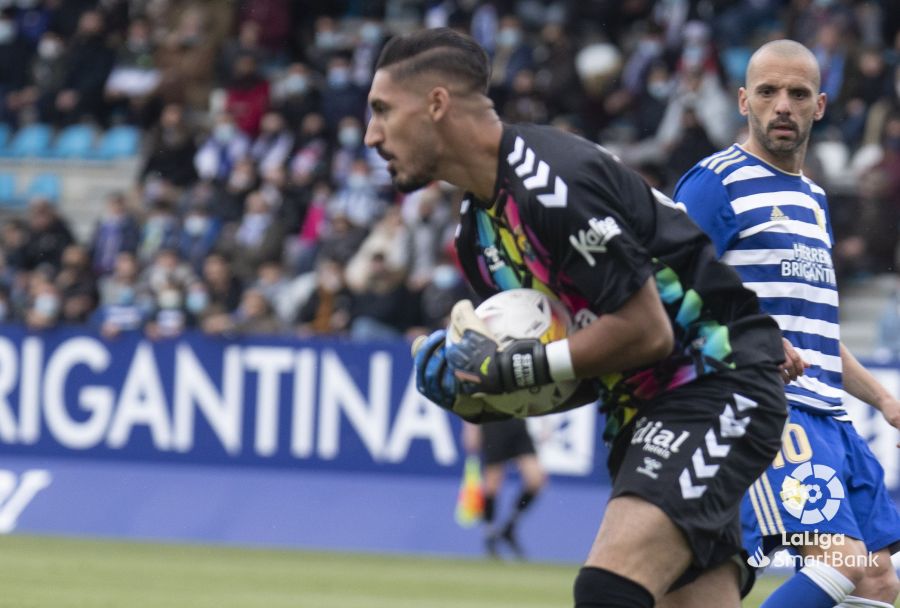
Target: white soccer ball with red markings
527,313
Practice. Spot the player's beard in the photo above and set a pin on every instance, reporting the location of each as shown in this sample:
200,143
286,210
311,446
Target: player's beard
422,170
777,147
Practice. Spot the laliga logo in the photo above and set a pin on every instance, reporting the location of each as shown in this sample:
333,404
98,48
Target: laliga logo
759,559
803,497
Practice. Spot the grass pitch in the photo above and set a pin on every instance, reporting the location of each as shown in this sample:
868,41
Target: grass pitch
43,572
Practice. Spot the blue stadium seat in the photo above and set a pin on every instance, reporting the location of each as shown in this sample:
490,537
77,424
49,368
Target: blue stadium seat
29,141
45,185
74,141
120,141
8,195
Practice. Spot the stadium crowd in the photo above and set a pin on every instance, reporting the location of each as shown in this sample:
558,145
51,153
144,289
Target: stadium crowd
258,209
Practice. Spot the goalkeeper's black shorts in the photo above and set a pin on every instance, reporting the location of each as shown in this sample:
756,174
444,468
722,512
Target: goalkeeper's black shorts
695,451
505,440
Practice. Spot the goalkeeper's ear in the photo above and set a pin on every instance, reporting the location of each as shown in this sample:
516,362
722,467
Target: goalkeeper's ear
463,317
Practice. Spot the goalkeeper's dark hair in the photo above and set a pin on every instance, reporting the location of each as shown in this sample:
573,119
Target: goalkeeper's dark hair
443,51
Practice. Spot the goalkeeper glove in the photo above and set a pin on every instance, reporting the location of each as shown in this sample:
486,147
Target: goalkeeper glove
433,378
479,363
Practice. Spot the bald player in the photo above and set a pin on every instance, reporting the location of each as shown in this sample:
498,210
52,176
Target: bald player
824,495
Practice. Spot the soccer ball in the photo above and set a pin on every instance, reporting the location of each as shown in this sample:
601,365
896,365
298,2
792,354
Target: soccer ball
527,313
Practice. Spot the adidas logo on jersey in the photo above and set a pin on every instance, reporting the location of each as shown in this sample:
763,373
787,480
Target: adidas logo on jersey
537,176
778,215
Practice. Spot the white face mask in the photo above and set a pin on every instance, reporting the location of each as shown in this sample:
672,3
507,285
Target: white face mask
295,84
357,180
195,224
7,31
224,132
46,305
49,48
349,137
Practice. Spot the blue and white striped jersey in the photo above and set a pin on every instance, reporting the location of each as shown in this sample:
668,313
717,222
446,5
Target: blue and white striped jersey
773,228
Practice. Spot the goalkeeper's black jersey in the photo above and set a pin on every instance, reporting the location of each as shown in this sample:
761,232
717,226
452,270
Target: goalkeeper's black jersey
569,219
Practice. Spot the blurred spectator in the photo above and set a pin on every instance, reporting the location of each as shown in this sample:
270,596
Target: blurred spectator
341,96
696,89
170,148
512,55
46,74
161,230
271,282
228,201
273,145
223,287
116,231
341,238
199,235
524,104
254,316
168,318
301,250
381,308
186,59
358,199
246,43
134,77
368,45
389,239
7,312
48,236
446,287
310,160
868,80
257,238
273,20
224,147
831,52
15,56
693,143
555,77
44,302
349,149
329,307
77,285
296,94
13,241
427,216
247,95
196,303
327,40
168,270
89,62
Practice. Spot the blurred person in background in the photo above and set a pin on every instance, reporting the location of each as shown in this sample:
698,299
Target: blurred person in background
167,270
357,199
257,238
199,234
168,318
116,231
310,160
44,300
868,80
130,88
186,57
89,62
254,316
223,148
124,301
29,96
245,43
512,55
329,307
223,287
229,198
427,217
15,56
247,95
381,305
300,250
77,285
7,311
341,96
170,148
295,93
524,103
161,231
390,241
349,149
500,444
272,147
48,235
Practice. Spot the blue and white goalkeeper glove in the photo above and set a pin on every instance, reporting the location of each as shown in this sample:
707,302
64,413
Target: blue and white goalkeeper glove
482,367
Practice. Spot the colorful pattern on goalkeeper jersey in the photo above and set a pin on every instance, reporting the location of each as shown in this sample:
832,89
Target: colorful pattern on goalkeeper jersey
592,242
773,228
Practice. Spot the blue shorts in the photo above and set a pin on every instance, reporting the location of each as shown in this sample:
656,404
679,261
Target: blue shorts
824,480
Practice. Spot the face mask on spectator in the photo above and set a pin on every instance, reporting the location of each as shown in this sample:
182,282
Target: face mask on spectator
327,39
349,137
370,33
509,37
338,77
196,301
46,305
224,132
126,296
295,84
650,47
658,89
7,31
357,181
444,276
195,224
169,298
49,48
330,282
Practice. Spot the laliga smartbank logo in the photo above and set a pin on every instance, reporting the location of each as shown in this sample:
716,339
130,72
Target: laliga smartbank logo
825,542
812,493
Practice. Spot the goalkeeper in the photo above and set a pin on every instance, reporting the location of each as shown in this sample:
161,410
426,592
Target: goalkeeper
689,372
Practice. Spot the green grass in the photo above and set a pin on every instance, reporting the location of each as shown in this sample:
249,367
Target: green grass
42,572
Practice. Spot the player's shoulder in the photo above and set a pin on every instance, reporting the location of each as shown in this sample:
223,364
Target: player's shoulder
531,150
724,169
